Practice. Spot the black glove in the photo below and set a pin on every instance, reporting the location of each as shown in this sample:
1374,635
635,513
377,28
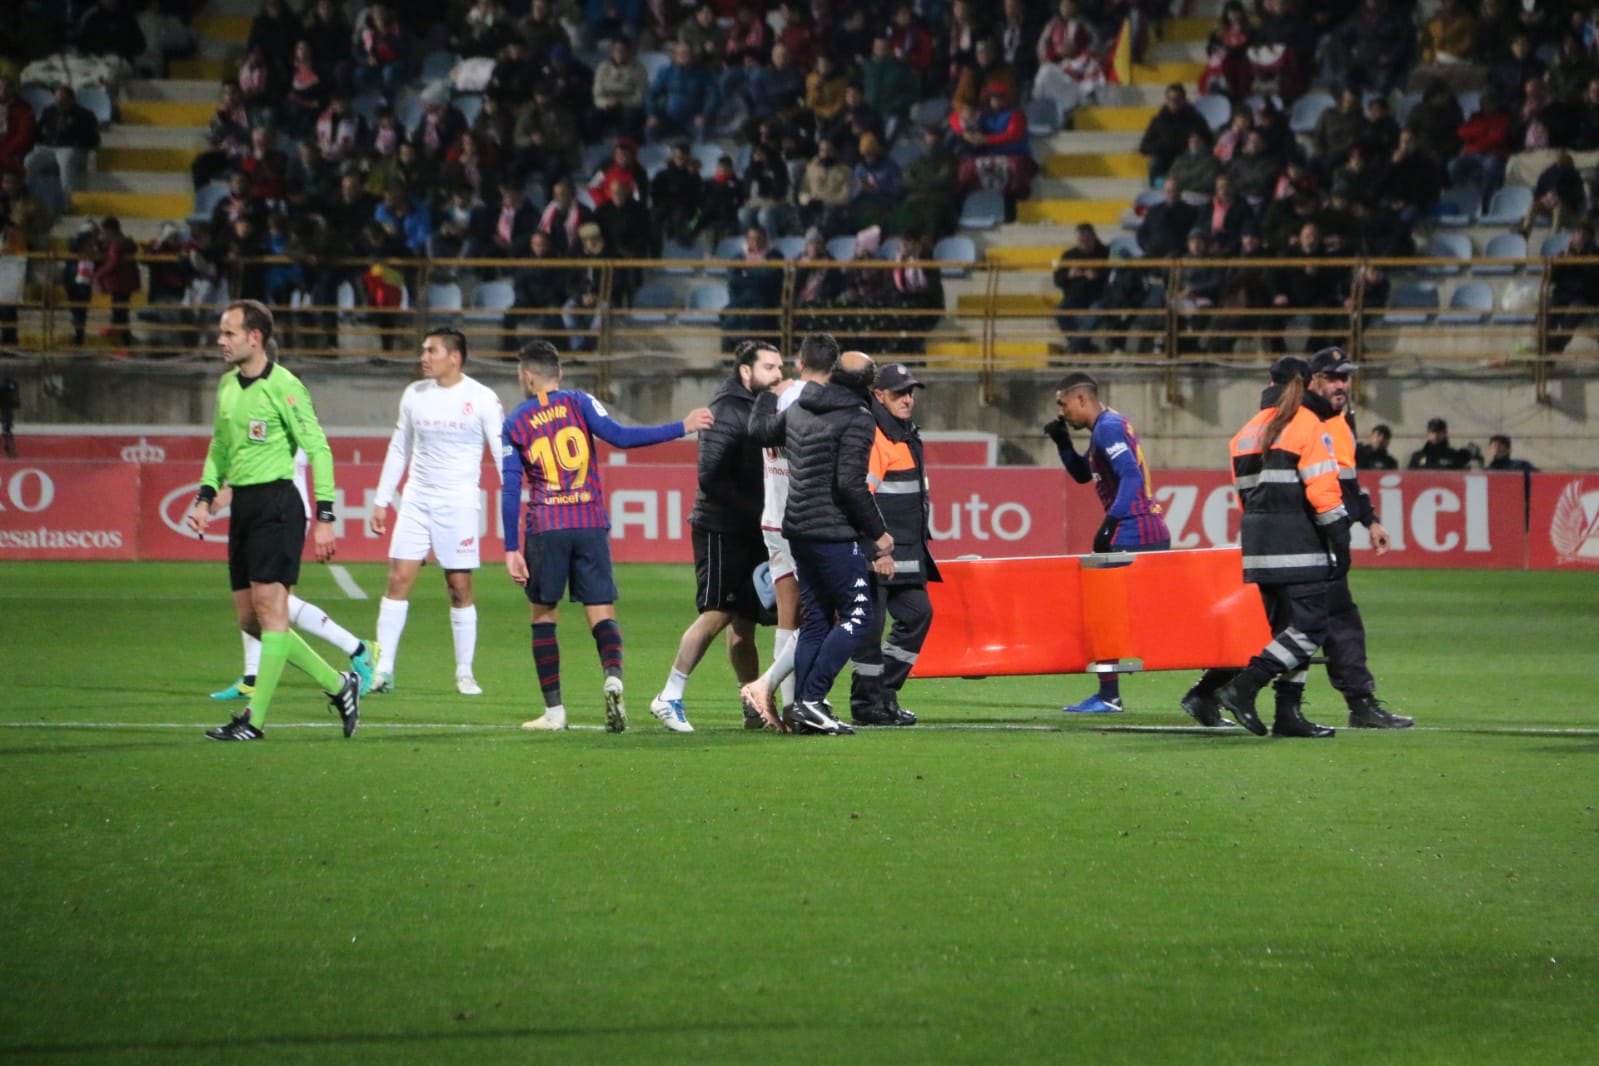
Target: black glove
1107,533
1336,537
1059,432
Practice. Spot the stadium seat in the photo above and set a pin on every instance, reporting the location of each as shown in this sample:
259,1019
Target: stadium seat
1455,246
652,302
1522,310
704,304
791,247
443,300
1406,103
1502,246
1470,304
934,112
1125,248
367,105
1470,101
1414,304
842,248
344,299
596,157
1552,245
1307,110
470,105
1459,207
890,248
671,249
490,301
653,63
97,100
39,97
408,112
1134,216
708,153
908,151
206,199
727,248
983,209
1043,116
1217,110
956,249
650,156
44,182
1509,207
437,66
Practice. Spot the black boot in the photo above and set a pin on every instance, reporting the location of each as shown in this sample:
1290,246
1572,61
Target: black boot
902,716
1289,721
1367,712
1201,704
1238,696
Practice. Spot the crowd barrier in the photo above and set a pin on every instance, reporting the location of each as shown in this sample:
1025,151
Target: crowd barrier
124,495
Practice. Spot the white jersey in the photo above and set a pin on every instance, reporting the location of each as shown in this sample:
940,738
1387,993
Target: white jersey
774,466
441,435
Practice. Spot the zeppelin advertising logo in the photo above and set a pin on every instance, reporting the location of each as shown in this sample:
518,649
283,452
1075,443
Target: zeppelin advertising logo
175,506
1574,529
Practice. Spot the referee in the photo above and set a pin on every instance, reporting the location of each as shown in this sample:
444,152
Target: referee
263,415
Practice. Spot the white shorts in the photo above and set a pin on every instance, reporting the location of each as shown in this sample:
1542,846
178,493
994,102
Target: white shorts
450,529
777,553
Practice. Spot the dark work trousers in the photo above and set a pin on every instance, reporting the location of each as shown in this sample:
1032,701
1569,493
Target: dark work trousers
836,612
878,668
1297,615
1345,647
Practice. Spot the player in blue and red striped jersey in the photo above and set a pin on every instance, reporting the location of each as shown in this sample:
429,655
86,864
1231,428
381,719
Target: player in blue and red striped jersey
566,538
1114,462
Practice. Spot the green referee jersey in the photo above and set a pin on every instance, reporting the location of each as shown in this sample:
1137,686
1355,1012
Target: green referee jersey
260,423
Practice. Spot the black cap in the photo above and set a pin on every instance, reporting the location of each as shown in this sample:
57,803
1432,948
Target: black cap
1437,425
1332,360
895,377
1288,368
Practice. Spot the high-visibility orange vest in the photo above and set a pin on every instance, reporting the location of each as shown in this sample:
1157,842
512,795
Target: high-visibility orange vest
1288,491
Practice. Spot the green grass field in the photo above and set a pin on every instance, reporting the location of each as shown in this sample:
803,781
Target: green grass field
445,888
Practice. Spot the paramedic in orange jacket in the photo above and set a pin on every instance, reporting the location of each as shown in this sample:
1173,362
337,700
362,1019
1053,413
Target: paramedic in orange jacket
1295,539
897,475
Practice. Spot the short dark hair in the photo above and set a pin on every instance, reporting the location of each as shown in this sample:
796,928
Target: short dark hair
1078,380
1382,430
818,352
540,358
257,316
454,340
1500,437
745,353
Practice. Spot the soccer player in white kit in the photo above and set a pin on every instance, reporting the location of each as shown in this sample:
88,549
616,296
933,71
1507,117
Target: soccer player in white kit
447,420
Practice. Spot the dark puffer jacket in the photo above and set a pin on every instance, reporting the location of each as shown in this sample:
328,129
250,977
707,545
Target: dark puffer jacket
828,435
731,481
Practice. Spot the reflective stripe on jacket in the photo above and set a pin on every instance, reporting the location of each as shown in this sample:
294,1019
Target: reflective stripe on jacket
1288,492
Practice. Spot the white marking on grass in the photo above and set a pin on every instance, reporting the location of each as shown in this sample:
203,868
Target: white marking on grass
346,583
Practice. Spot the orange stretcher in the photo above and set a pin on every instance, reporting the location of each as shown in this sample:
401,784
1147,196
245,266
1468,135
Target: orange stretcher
1071,614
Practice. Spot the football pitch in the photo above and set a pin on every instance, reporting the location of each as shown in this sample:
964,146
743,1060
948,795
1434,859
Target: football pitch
998,884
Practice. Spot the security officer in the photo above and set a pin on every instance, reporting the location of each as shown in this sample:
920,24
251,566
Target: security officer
897,473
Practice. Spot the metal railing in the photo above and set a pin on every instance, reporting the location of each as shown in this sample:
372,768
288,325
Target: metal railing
995,315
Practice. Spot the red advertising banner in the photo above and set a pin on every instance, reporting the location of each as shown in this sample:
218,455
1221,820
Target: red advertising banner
144,482
1563,526
59,509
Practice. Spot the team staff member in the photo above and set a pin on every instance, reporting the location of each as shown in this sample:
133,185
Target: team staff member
550,439
834,528
725,526
1295,539
1114,462
263,416
447,421
897,476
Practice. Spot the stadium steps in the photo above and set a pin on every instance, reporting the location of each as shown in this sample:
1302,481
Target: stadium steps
162,206
174,90
209,70
195,114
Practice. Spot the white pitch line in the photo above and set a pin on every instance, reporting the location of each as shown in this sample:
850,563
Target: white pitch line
346,583
924,727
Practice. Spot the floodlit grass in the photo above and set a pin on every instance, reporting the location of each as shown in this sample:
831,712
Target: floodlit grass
1070,891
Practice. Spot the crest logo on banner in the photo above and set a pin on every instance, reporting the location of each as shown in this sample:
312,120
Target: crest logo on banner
1574,529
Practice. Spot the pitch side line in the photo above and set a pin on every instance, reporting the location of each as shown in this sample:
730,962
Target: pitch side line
346,583
925,727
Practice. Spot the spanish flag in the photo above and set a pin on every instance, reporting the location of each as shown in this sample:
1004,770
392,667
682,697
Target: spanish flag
1119,60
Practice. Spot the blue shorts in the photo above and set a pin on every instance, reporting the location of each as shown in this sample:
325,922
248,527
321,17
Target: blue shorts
579,557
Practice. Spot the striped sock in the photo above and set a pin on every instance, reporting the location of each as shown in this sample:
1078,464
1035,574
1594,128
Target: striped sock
608,641
547,661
